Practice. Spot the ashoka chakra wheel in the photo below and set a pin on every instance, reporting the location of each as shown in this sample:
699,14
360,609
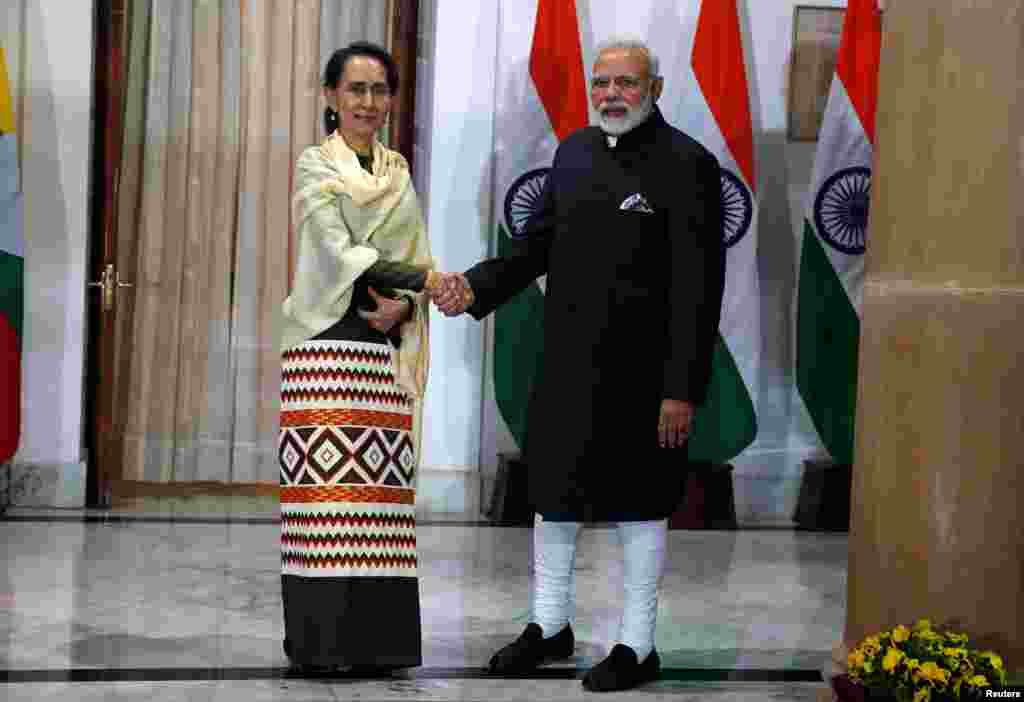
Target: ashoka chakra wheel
737,208
523,200
841,209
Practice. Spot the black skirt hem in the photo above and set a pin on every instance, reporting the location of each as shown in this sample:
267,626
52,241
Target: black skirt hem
364,621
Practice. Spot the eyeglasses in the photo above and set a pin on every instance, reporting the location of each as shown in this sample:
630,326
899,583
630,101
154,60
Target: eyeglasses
626,82
378,90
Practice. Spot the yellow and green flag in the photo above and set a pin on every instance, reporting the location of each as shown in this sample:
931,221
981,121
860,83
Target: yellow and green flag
12,273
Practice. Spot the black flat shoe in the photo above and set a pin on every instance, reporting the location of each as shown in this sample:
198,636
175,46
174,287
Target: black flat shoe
531,650
372,671
312,669
621,671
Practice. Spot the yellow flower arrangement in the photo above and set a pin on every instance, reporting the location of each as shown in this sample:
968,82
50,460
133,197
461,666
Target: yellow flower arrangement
893,656
923,664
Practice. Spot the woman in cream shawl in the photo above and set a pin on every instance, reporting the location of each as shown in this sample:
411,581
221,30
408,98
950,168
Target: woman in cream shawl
355,360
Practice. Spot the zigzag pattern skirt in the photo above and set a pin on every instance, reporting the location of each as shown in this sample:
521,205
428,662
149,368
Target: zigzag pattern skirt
348,515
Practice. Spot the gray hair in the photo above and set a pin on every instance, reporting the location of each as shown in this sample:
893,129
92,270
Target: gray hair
631,43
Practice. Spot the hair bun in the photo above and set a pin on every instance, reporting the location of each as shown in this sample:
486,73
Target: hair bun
330,121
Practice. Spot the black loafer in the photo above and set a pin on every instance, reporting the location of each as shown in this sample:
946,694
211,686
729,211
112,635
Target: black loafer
531,650
621,671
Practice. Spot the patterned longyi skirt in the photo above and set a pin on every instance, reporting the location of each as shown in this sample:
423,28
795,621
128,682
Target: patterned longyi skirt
348,521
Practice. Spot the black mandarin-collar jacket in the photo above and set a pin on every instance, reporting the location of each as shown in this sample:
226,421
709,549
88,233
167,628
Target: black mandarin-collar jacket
631,313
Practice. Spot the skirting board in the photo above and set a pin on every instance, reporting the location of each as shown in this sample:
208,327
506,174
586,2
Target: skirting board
448,491
767,501
62,485
24,484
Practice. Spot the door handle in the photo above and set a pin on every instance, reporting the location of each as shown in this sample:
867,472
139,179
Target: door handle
109,281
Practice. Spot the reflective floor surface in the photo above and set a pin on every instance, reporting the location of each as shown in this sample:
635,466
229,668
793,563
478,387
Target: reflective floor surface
98,606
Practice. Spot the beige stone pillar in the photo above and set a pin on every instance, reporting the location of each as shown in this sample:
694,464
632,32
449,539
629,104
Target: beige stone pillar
938,495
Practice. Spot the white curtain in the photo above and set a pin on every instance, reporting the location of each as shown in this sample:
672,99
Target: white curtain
222,96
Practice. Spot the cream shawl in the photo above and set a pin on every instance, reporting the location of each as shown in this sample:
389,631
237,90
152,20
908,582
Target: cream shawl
347,219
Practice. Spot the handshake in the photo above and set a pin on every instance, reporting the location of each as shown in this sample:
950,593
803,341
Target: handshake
450,292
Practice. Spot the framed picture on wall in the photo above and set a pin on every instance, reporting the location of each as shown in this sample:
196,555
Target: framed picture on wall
816,33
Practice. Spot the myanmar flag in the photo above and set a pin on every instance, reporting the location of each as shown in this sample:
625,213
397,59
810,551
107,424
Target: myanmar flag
541,99
831,278
715,110
12,266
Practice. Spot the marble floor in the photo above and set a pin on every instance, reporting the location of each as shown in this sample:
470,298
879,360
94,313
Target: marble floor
97,606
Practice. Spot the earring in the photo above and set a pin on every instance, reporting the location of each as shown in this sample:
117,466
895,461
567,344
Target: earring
330,120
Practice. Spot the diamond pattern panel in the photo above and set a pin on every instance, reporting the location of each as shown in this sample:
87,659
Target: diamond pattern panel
327,455
364,455
292,456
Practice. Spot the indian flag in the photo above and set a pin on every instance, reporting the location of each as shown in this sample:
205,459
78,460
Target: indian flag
12,266
541,99
715,110
831,277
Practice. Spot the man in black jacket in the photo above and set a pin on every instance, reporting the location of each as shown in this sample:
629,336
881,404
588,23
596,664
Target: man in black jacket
629,232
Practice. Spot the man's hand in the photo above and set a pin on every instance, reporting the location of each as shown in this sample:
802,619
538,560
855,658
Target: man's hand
388,313
451,293
674,423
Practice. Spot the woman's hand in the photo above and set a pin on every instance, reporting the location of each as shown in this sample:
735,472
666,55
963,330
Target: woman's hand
451,292
388,313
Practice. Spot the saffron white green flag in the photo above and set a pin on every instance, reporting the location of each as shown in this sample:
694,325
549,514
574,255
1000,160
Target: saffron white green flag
541,99
831,277
714,109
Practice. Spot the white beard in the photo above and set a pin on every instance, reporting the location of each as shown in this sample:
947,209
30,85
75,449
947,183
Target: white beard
634,116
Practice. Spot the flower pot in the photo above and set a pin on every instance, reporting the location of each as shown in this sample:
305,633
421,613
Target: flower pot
849,691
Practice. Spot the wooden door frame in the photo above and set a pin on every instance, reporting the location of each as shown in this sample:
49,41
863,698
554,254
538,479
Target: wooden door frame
403,33
103,446
108,130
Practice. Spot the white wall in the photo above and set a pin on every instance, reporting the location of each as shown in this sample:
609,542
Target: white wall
460,134
768,482
458,181
52,46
